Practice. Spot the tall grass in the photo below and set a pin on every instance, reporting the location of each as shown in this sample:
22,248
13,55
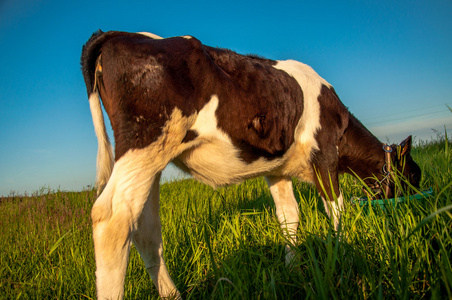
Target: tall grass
227,243
45,246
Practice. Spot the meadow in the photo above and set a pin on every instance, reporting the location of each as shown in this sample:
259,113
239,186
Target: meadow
227,243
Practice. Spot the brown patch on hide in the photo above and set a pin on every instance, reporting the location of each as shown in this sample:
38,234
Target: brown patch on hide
144,79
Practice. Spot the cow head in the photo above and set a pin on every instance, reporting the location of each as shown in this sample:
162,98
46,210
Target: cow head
403,171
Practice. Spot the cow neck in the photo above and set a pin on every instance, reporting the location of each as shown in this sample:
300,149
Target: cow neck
360,152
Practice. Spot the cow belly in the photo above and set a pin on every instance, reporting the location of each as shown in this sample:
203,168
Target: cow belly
217,163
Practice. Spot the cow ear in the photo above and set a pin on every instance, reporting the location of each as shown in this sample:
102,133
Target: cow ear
405,146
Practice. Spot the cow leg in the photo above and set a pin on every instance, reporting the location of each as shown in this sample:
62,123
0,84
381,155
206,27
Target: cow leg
115,216
286,210
148,241
327,183
333,209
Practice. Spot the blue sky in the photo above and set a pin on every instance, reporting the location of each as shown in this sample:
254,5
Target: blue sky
389,61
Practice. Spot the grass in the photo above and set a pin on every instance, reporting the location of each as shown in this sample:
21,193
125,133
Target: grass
227,244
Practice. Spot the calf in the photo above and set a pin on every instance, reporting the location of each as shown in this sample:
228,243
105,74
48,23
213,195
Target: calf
223,118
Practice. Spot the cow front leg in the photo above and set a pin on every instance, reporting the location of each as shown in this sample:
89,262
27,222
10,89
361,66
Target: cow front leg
286,211
327,183
147,239
334,209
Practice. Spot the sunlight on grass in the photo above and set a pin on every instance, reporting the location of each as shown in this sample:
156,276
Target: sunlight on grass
227,243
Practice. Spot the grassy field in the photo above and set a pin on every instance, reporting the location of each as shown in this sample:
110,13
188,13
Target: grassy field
226,243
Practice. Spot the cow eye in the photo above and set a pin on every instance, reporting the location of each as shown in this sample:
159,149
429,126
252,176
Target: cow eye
415,177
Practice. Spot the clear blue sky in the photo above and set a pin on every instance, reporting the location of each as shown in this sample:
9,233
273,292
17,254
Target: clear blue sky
390,62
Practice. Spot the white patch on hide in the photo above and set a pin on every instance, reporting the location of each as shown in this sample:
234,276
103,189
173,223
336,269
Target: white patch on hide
311,84
151,35
215,161
299,155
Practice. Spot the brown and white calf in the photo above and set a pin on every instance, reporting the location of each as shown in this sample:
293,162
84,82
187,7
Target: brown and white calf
221,117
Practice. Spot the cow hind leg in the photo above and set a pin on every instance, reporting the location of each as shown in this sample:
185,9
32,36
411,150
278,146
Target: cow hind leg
112,224
111,245
115,216
286,211
147,239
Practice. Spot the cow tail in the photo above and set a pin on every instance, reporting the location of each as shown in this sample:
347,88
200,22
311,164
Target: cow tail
91,68
105,159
